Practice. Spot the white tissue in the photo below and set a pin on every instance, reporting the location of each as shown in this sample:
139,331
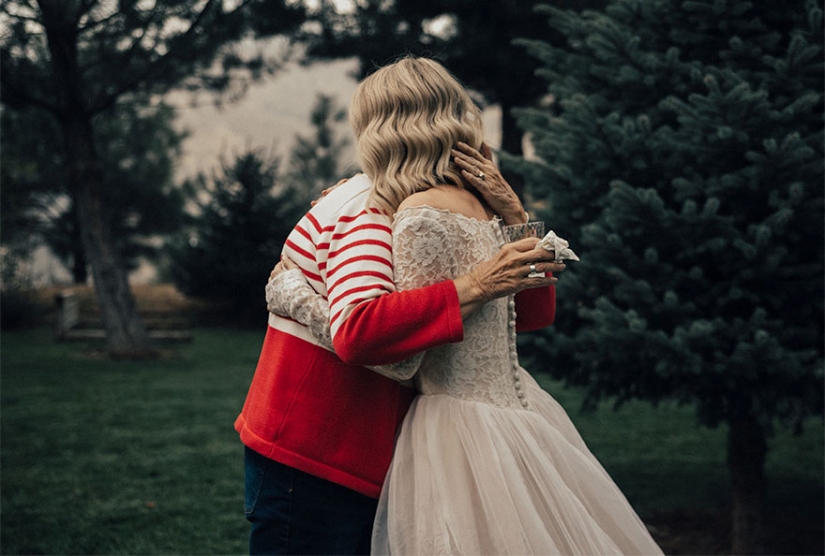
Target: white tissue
552,242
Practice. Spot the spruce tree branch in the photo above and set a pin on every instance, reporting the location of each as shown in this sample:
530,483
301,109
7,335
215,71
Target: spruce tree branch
98,22
85,7
153,68
4,9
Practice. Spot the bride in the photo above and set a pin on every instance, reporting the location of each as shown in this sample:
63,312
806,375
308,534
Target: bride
485,461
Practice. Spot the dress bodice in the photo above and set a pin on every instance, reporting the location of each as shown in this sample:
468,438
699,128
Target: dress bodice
431,245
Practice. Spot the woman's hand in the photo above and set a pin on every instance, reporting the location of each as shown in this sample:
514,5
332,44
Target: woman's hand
517,266
479,170
274,302
327,191
285,264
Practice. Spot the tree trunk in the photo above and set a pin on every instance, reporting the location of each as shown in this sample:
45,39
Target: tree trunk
126,336
80,270
747,449
80,274
511,137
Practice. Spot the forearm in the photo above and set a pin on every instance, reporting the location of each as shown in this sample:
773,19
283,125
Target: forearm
471,296
515,268
288,294
396,326
535,308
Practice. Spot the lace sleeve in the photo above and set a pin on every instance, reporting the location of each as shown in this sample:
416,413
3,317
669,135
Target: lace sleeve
290,295
419,259
420,247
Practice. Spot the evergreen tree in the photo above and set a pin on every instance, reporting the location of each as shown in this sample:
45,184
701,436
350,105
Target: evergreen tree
77,59
24,198
315,160
236,236
245,213
139,148
680,149
28,171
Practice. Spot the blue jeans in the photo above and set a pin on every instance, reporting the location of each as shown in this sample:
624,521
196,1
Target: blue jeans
293,512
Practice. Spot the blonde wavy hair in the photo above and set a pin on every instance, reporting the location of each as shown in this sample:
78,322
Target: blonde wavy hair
406,117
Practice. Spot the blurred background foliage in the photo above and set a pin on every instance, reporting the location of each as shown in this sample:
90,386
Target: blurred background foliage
678,144
243,213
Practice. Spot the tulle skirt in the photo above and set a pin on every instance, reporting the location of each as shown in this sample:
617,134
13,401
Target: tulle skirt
473,478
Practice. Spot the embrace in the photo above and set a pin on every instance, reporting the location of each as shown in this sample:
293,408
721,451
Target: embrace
388,413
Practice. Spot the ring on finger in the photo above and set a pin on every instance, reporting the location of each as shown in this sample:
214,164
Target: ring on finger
532,269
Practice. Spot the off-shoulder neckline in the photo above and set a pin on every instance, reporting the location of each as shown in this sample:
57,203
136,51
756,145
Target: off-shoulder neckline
495,220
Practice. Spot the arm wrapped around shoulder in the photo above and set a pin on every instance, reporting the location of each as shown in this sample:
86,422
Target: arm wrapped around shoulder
289,295
422,314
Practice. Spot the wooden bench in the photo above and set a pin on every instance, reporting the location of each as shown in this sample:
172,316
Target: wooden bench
69,327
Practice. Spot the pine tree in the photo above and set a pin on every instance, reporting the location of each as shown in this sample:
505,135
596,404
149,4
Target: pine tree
236,236
245,212
138,151
75,60
680,149
315,160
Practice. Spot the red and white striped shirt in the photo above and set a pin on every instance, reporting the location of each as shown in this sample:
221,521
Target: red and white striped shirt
344,249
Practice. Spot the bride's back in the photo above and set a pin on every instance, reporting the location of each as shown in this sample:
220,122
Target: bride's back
433,244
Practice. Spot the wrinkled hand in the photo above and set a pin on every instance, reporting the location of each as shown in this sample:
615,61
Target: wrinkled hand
517,266
479,171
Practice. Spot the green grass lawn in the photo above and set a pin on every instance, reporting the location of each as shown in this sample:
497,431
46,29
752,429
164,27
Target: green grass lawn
140,457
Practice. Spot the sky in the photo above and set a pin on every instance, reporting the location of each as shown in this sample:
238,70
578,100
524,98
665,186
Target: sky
268,116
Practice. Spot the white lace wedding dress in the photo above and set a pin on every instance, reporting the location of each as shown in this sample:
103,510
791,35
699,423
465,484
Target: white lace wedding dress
486,462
